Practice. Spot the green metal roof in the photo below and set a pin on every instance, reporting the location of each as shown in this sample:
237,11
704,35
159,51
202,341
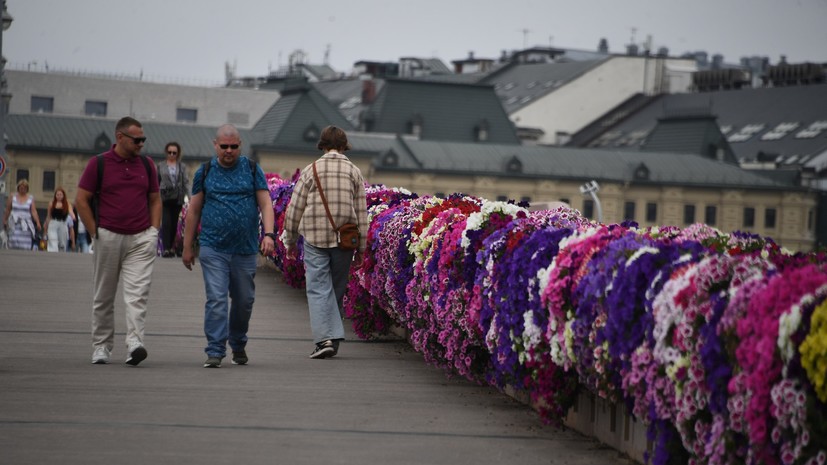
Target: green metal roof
697,134
573,163
447,111
290,121
95,135
408,154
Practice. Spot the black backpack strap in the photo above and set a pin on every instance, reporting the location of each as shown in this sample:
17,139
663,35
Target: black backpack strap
205,168
148,172
97,196
253,165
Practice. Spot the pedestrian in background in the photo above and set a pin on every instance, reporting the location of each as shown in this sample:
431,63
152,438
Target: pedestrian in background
327,267
21,219
229,199
59,216
82,238
173,180
124,231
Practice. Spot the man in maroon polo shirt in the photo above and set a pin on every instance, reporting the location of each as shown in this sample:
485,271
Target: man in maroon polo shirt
124,235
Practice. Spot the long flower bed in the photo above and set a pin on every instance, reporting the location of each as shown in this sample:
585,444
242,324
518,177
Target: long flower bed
717,342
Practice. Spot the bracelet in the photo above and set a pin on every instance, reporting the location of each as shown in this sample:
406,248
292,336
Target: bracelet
271,236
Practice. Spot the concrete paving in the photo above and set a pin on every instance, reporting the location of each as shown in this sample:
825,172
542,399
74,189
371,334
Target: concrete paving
376,402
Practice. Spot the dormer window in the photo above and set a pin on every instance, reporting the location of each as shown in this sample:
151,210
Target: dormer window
311,134
415,125
103,142
514,165
481,131
641,172
390,159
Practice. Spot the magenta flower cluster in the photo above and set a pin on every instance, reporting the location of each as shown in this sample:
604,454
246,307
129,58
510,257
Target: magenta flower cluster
701,333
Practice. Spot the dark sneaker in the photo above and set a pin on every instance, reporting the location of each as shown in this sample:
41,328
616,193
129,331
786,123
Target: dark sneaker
213,362
335,347
136,355
240,357
323,349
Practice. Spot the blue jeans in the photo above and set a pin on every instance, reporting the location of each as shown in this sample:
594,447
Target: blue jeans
326,272
227,276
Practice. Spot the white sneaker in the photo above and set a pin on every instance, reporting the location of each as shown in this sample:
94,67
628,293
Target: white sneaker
100,356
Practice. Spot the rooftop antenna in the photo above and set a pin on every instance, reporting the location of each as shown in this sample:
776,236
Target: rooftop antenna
525,36
327,55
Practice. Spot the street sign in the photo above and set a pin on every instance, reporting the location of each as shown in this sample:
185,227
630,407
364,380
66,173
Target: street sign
2,166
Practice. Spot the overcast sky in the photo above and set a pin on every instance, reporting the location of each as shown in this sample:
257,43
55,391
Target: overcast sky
193,39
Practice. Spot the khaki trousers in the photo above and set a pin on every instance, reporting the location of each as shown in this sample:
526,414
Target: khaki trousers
127,256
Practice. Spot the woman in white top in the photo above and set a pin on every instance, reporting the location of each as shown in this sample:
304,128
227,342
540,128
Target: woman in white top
58,217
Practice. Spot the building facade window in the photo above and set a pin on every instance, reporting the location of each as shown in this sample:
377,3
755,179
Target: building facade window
749,217
186,115
525,198
21,175
42,104
588,208
711,215
651,212
502,198
95,108
769,218
48,181
629,211
688,214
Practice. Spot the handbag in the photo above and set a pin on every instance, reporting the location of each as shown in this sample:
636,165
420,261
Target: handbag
175,191
347,235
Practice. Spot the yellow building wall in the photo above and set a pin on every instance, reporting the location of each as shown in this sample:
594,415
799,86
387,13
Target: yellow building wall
794,227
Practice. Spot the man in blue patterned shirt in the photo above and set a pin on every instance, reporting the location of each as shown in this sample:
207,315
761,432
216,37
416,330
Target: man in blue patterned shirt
228,193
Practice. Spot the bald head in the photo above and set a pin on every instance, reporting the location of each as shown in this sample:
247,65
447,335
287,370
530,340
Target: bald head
226,130
227,145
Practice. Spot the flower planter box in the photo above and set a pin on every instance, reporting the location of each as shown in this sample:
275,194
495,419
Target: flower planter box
607,422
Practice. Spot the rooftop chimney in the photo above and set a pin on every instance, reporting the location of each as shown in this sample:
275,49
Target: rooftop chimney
368,91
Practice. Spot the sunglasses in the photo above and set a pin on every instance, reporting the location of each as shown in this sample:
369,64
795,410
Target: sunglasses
228,146
171,152
136,140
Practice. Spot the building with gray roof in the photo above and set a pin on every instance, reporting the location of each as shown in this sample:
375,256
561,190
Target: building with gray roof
770,127
439,111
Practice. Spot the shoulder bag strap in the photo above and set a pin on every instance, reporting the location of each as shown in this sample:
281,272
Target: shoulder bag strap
324,200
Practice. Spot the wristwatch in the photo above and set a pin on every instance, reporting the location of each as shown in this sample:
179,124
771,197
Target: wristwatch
271,236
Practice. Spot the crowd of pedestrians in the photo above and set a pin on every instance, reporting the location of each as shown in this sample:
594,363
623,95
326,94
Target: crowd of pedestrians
126,214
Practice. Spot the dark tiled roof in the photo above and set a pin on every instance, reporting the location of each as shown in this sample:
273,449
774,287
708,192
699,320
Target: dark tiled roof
449,112
321,72
288,121
818,162
520,84
431,65
696,134
346,95
405,153
578,164
94,135
803,109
